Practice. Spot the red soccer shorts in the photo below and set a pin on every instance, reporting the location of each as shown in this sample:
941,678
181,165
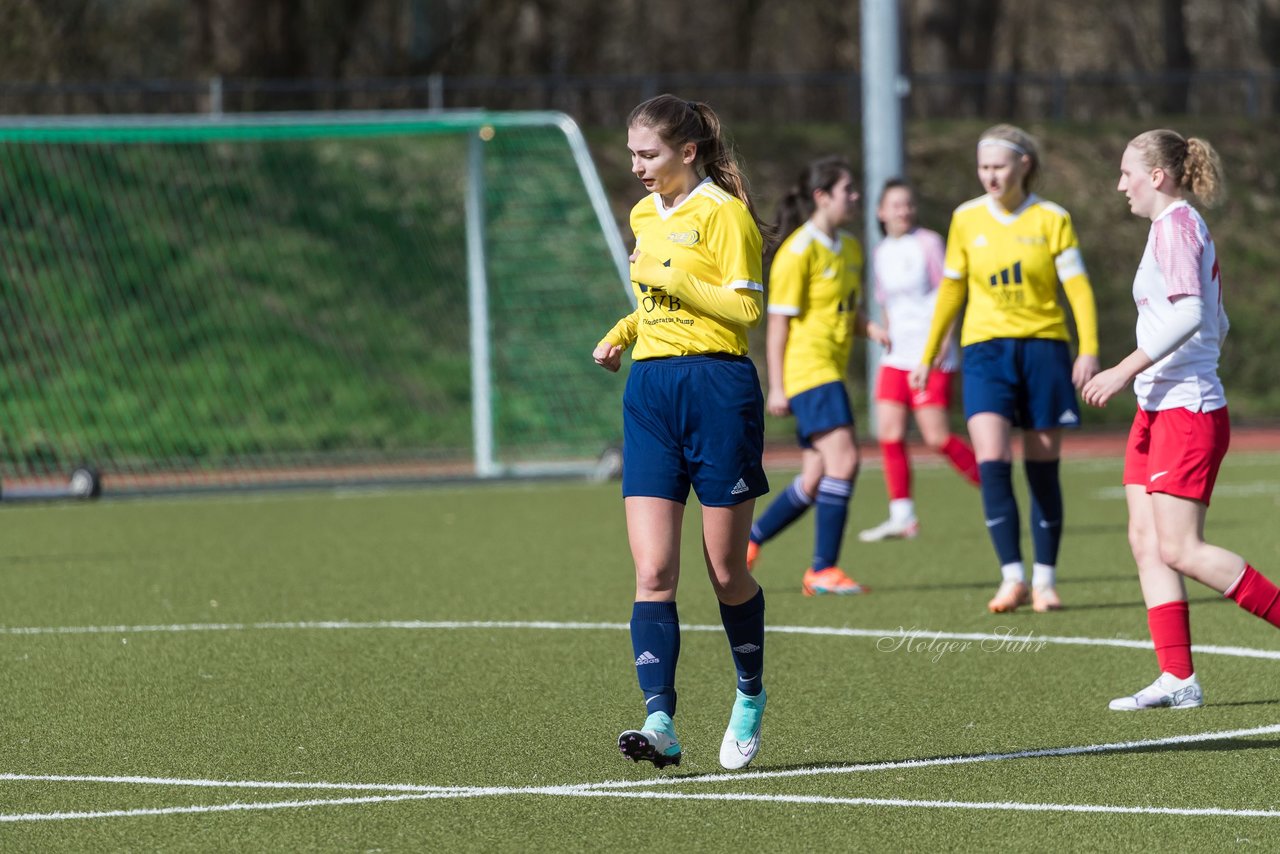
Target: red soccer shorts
1177,451
892,387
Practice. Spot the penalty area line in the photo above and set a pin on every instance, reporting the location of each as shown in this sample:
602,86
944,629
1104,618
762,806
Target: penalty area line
627,788
901,802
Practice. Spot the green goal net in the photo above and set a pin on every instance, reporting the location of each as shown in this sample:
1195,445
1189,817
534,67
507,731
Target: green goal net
297,298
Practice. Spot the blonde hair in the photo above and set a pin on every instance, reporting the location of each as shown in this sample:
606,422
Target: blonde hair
1020,142
1192,163
678,121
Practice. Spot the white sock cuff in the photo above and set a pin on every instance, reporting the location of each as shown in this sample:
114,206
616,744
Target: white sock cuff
1043,575
835,486
797,489
902,509
1232,589
1014,571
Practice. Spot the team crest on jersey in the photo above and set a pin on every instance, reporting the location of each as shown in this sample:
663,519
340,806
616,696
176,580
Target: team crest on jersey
980,240
685,238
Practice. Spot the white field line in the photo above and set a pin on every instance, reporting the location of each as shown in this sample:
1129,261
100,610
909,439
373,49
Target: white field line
964,805
624,788
674,796
232,807
916,635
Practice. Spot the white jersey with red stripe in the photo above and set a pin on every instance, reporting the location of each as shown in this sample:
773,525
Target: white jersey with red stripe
907,272
1180,260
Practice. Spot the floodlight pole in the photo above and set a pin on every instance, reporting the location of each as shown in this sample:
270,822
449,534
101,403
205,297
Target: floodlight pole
478,312
883,88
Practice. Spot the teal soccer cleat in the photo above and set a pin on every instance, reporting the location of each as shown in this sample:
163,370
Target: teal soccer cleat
654,742
742,738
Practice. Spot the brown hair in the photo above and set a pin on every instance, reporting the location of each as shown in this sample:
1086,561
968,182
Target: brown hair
894,183
678,121
1020,141
1191,163
798,205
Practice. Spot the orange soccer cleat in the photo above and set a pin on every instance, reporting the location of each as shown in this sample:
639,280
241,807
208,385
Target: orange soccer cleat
1009,597
830,580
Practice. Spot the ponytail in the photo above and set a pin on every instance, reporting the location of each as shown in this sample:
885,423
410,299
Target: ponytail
797,205
1192,163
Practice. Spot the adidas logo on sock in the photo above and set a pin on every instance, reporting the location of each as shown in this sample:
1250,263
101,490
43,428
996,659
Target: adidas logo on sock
646,657
746,648
739,488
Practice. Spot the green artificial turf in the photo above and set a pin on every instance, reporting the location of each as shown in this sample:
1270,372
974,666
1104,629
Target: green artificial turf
339,637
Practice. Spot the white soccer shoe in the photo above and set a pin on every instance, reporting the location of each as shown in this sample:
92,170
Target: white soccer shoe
891,529
1167,692
742,738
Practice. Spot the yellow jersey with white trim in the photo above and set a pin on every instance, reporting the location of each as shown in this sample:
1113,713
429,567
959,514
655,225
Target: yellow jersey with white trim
816,281
1012,262
711,235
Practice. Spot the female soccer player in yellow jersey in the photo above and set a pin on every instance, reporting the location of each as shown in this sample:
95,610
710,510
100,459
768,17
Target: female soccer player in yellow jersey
814,286
693,412
1007,251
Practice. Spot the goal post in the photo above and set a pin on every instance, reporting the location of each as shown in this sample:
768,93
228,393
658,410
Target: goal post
278,298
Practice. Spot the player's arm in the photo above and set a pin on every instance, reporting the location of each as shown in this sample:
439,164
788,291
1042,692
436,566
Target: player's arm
1075,282
1176,330
777,333
868,328
952,293
951,298
608,353
740,302
1178,251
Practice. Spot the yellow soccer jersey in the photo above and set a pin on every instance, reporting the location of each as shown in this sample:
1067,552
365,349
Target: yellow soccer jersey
712,236
816,281
1012,263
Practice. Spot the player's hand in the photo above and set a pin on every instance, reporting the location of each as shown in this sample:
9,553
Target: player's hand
879,334
918,379
650,271
1103,386
608,356
1084,370
777,404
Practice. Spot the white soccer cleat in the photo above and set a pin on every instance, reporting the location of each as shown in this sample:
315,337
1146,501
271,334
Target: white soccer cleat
742,738
891,529
1167,692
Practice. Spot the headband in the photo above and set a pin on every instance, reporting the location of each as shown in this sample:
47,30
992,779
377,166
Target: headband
1004,143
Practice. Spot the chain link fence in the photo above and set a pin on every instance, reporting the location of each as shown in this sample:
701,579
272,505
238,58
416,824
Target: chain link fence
756,96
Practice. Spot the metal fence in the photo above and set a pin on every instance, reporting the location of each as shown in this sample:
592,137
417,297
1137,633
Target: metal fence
753,96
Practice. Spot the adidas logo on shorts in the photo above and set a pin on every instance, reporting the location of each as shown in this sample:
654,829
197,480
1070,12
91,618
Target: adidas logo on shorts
646,657
1068,417
739,488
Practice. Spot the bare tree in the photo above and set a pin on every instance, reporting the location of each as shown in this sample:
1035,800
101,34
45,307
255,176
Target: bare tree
1178,61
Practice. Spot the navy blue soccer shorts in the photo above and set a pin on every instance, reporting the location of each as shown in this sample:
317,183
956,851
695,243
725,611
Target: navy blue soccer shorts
820,409
1026,380
694,421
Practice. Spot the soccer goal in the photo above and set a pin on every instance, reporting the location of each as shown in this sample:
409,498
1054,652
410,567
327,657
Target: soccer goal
304,297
